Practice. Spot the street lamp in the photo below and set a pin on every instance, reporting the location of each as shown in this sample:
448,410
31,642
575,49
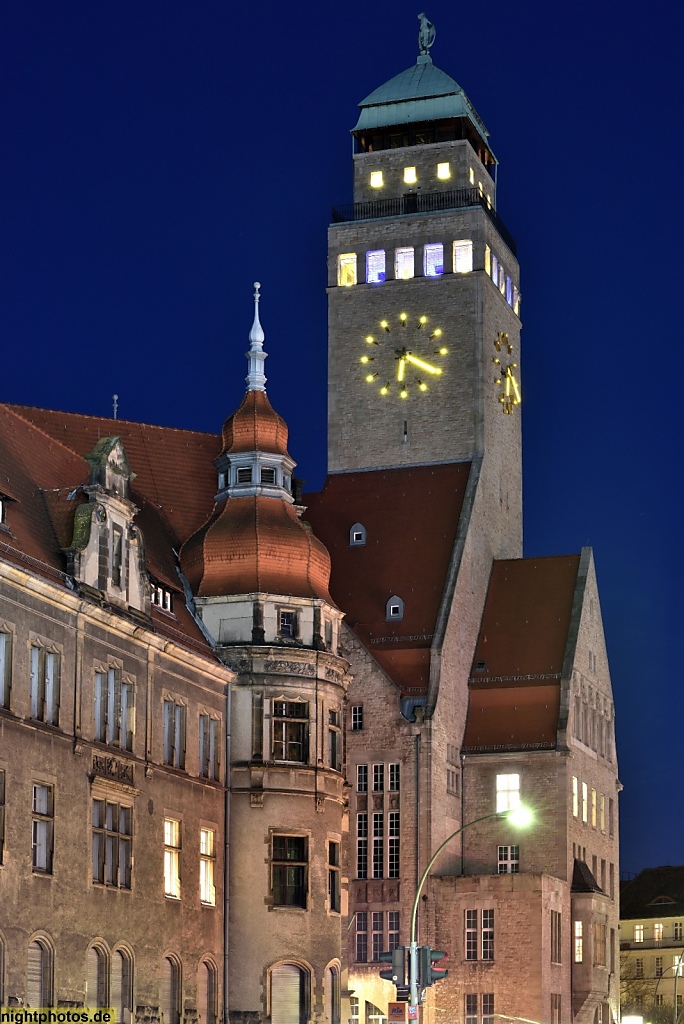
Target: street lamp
519,816
678,968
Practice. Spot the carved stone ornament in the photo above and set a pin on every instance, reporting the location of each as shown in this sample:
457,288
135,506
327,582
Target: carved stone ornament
289,668
112,768
256,799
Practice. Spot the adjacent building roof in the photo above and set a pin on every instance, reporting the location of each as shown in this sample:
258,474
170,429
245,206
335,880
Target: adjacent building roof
514,685
421,93
410,518
653,893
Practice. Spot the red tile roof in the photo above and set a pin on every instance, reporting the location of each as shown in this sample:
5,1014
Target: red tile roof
515,678
255,427
410,517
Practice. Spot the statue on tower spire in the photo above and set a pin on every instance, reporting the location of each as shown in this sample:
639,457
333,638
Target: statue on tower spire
256,379
426,35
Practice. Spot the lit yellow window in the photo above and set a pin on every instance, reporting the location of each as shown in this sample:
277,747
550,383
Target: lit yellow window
480,188
346,269
410,176
471,175
404,264
488,259
376,179
463,257
444,171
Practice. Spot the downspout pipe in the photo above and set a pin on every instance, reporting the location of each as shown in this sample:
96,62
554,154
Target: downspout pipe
226,862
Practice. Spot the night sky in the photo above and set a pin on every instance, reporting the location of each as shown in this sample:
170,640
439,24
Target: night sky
159,156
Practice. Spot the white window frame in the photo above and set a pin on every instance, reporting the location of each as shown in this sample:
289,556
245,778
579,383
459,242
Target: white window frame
112,839
207,851
356,717
376,266
45,684
463,256
433,259
42,827
113,708
404,263
507,792
172,857
209,747
175,732
508,860
347,272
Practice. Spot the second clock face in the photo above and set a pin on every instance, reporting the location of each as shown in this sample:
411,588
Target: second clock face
404,356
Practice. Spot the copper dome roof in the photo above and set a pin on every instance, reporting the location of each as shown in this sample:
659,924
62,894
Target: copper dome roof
256,544
255,427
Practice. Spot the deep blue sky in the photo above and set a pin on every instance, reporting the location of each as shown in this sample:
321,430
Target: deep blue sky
160,156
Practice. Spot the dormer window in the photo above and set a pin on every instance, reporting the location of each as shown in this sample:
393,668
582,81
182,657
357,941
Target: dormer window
162,597
268,475
244,475
357,535
394,609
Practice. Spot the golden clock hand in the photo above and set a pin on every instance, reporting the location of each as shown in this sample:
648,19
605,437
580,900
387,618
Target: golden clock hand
424,366
516,389
402,366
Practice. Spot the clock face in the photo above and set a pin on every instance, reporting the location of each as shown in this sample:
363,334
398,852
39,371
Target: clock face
506,381
404,356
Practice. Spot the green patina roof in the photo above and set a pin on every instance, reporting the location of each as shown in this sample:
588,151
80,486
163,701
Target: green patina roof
421,93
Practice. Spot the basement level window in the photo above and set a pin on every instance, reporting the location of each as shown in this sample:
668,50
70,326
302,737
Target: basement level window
244,476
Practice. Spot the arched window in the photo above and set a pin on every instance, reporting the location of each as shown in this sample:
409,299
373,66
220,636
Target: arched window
122,985
39,975
96,977
289,994
332,994
394,609
357,535
206,993
171,991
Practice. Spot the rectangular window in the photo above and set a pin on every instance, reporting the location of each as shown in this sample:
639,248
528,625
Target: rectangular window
393,837
375,266
488,260
463,257
638,967
172,855
677,966
444,171
207,858
334,890
612,881
244,475
579,943
471,1008
43,814
45,685
508,860
334,741
487,1008
638,933
362,778
291,731
377,934
209,747
487,934
410,176
433,259
112,831
593,808
507,792
677,932
404,263
585,803
602,812
471,934
555,1008
174,733
495,269
658,970
452,781
376,179
610,816
556,946
290,864
658,932
113,709
287,623
600,944
392,930
5,669
575,797
357,717
361,936
117,555
362,845
378,778
346,269
394,777
471,176
378,844
509,291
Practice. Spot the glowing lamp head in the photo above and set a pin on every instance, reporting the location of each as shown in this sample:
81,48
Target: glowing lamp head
370,377
422,385
423,320
370,339
403,393
384,390
384,325
443,351
520,816
438,332
403,317
365,359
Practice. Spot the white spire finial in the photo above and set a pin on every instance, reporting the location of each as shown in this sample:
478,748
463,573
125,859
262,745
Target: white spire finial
256,379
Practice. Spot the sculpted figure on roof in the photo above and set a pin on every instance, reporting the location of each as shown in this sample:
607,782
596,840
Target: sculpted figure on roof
426,34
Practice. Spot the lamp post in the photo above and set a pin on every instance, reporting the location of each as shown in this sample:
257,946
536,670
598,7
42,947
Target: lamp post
678,968
519,816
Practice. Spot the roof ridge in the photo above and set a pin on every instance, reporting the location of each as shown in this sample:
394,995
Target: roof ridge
15,406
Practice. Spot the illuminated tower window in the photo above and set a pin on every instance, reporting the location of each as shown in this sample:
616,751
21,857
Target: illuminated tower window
463,257
346,269
488,260
410,176
375,266
376,179
471,175
444,171
404,263
433,260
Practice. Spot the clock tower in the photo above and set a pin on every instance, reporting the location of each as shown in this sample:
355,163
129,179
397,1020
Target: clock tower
424,298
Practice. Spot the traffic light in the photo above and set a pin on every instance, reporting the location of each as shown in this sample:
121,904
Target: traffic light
428,974
397,974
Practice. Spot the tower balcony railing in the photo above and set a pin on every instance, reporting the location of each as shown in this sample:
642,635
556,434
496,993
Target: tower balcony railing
422,202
